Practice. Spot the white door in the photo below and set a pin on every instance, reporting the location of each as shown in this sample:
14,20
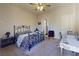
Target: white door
44,26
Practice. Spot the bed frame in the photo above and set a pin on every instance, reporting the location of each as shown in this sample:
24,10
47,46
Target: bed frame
21,29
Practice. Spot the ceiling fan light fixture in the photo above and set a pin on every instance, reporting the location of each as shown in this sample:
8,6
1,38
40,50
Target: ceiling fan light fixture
40,6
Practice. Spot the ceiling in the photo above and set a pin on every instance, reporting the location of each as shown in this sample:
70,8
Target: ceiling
27,6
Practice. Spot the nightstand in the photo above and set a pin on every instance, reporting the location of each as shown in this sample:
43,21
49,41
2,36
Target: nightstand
6,41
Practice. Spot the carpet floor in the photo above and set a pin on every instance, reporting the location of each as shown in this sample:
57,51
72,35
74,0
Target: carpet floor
48,47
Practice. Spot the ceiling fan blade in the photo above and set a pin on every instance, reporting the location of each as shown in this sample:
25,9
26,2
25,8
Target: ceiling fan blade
31,3
48,5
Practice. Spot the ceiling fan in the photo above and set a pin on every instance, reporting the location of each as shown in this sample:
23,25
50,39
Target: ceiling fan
40,6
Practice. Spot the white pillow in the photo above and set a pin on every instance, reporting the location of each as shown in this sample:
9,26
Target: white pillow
71,36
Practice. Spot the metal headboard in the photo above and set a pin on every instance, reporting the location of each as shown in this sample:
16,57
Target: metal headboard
20,29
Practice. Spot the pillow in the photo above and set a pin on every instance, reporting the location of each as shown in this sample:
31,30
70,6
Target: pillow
24,32
71,36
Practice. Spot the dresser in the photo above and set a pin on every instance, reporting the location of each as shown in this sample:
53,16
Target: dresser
6,41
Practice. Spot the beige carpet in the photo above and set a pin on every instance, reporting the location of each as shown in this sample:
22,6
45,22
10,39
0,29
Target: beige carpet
11,50
48,47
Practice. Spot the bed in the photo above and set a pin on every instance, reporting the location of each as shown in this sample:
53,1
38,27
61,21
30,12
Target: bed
26,39
70,43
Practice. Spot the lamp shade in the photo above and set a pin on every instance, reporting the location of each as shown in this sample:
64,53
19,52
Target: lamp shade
7,34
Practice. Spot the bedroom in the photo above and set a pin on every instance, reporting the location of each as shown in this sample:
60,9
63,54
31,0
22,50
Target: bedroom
59,17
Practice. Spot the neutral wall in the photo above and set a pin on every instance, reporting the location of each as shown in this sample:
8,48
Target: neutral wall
61,18
77,17
13,15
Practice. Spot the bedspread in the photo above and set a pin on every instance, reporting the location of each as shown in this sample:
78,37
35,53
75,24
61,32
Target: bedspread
31,40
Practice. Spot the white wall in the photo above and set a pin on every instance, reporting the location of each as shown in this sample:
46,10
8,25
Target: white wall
77,17
13,15
61,18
